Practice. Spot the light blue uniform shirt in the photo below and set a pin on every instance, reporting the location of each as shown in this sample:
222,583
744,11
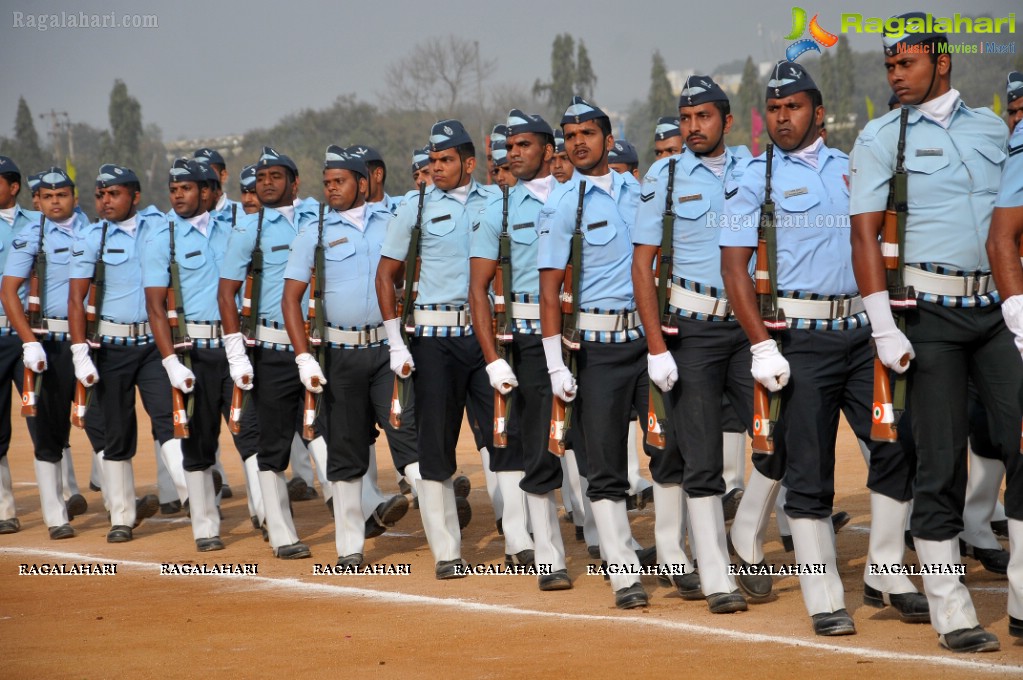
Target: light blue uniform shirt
124,299
811,215
1010,194
953,180
607,224
697,199
22,220
275,243
523,210
57,245
350,258
444,271
198,257
224,214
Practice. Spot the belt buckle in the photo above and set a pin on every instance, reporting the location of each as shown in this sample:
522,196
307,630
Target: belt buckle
838,308
720,307
363,337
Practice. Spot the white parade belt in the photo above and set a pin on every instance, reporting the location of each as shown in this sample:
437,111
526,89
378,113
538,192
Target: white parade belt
123,330
617,321
691,301
821,309
362,337
942,284
436,317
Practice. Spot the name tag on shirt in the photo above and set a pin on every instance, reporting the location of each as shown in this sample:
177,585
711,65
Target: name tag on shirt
60,250
115,250
343,239
691,197
440,219
796,192
193,253
524,225
276,248
596,225
930,152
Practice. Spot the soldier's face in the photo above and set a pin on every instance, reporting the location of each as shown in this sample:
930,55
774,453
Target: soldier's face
185,199
912,76
663,148
561,167
422,175
57,204
250,202
527,155
790,119
449,170
504,177
116,203
342,190
703,127
273,187
8,193
1014,113
587,146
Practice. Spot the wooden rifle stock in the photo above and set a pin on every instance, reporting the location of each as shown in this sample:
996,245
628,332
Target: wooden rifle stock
309,413
882,425
180,414
234,424
556,441
80,405
401,392
28,394
762,426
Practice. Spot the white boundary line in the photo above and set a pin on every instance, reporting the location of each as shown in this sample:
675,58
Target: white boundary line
483,608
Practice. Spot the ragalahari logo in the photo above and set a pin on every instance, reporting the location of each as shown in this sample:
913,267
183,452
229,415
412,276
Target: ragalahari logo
818,36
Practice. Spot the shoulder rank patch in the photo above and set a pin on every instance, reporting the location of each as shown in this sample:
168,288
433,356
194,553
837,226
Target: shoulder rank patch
77,253
646,197
193,253
733,192
596,225
796,192
440,218
19,244
280,247
524,225
343,239
930,152
1013,150
691,197
475,226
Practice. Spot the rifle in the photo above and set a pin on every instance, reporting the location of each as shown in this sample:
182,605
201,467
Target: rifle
502,336
402,390
656,414
561,413
182,343
889,402
248,318
93,314
315,329
33,383
767,407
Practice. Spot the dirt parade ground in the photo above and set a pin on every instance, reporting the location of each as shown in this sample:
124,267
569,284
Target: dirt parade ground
283,620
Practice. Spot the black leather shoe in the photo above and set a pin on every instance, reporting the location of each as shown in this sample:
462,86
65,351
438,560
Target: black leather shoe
209,544
330,506
464,511
755,586
225,492
63,531
994,560
645,498
912,607
970,640
579,535
10,526
119,534
524,558
94,487
172,508
593,551
1015,627
556,580
146,507
391,511
449,569
354,560
726,603
631,597
786,543
462,486
500,526
295,551
839,520
76,506
298,490
730,503
687,585
568,517
218,482
404,487
1000,527
374,528
835,623
647,556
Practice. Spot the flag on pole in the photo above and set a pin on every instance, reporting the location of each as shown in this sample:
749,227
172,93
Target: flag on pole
756,127
69,167
997,105
870,109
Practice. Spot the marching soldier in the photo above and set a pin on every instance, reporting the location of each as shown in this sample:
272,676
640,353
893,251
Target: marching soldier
623,158
377,176
706,356
421,166
116,332
667,138
561,167
953,330
529,147
221,206
823,344
247,184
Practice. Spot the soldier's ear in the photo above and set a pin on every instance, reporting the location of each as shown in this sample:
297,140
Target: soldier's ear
470,164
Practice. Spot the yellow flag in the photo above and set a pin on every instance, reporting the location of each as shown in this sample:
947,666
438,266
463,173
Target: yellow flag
70,168
997,106
870,109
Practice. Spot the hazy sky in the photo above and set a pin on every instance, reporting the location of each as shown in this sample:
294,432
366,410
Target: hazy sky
216,67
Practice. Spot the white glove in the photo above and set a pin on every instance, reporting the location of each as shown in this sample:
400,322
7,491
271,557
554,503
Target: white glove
502,378
562,381
33,356
401,359
662,369
893,347
238,361
309,368
1012,312
770,368
85,370
180,377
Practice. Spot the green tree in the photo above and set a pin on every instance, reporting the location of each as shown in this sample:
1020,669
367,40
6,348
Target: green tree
561,87
125,115
749,97
585,78
28,153
660,101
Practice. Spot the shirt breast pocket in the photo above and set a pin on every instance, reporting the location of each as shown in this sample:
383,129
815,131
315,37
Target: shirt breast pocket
691,210
192,260
440,233
61,256
341,263
114,257
276,255
599,237
523,234
986,167
798,204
